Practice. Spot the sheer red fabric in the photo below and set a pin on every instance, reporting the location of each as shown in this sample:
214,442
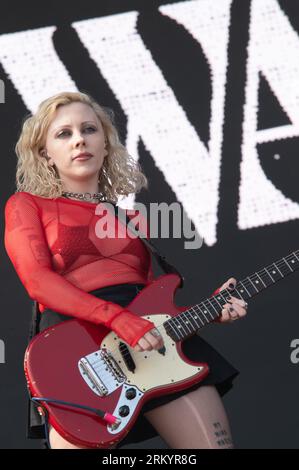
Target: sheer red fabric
55,248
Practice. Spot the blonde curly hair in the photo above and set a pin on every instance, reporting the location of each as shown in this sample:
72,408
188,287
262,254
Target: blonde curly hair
120,174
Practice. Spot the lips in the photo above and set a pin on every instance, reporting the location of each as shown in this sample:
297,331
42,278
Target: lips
83,156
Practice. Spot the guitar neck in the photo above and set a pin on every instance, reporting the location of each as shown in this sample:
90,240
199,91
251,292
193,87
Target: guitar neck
191,320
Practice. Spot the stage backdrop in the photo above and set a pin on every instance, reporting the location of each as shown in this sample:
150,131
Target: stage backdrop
206,96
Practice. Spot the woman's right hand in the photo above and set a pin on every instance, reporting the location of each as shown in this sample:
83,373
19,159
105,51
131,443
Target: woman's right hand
151,340
139,333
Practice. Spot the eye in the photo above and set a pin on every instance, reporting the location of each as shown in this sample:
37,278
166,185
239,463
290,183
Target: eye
62,133
89,129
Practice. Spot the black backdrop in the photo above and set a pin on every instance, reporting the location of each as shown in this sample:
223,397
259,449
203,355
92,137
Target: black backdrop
251,227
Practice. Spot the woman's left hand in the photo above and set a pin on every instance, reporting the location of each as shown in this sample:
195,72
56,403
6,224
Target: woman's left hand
235,308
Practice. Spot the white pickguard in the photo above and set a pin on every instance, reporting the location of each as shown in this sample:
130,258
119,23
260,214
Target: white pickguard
152,368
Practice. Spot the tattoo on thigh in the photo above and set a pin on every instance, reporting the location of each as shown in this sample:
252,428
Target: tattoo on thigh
222,436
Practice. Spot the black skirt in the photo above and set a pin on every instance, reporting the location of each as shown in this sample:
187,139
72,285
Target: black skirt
221,373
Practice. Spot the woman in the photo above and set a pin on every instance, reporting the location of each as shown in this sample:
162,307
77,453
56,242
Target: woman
70,147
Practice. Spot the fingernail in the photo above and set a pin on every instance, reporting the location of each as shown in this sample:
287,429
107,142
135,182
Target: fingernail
231,309
231,286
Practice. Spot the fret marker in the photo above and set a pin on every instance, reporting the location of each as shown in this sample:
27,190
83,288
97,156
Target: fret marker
292,261
256,282
242,290
273,272
205,311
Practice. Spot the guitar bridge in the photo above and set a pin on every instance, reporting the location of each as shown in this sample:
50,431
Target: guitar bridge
101,372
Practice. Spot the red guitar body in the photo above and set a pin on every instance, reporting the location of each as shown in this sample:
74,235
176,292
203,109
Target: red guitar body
79,362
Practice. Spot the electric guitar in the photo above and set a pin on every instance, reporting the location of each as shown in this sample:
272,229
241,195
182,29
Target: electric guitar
92,385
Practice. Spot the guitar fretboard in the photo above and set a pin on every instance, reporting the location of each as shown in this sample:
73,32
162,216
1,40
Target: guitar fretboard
193,319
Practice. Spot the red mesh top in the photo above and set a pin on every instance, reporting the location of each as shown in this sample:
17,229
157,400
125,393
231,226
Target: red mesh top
58,256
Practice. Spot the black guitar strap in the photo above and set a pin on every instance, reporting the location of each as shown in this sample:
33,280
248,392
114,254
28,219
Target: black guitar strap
163,263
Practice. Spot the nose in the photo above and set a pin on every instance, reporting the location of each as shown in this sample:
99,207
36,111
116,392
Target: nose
78,138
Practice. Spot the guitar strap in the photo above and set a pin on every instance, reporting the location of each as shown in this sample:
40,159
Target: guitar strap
161,260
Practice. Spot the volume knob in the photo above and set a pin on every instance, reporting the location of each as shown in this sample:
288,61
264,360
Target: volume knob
130,393
124,411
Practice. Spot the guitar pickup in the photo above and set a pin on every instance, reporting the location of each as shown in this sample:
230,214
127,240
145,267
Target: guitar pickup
127,357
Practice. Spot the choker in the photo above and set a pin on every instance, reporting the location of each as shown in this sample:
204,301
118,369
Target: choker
84,196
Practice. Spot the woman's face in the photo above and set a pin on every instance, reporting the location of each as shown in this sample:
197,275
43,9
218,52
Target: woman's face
74,129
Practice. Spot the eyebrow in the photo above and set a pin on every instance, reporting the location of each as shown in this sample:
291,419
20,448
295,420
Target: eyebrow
69,125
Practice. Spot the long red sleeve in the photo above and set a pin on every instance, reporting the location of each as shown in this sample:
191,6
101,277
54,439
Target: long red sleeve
28,249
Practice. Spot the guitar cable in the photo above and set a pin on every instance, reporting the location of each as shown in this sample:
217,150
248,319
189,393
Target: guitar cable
112,420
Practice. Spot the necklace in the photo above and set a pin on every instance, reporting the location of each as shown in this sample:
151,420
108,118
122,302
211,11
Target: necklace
84,196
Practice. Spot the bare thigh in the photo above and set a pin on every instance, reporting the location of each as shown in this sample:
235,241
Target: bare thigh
58,442
197,420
